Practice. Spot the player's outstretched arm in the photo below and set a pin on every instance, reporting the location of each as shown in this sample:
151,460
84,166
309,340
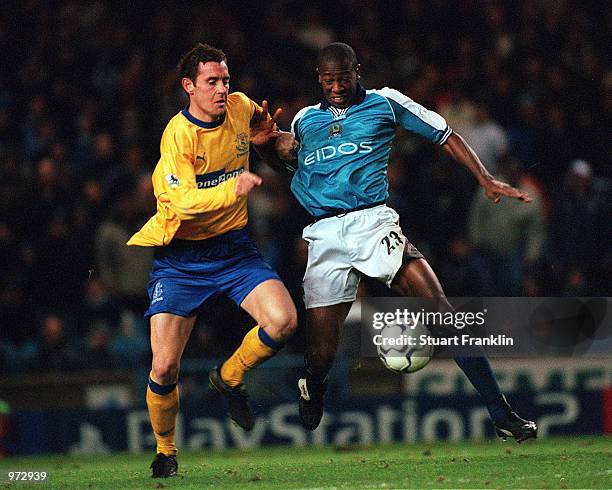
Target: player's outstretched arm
494,189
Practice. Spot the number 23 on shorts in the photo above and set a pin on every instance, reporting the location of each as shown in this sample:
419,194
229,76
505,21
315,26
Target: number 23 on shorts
391,241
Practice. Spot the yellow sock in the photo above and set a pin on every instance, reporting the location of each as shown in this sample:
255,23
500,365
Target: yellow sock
256,347
163,409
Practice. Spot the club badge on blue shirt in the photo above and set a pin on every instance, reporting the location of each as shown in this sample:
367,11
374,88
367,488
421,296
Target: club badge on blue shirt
335,130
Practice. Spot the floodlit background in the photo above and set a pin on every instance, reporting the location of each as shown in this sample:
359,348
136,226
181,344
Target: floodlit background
86,89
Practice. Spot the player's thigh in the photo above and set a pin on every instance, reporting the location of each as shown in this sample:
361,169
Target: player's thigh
417,278
169,335
270,304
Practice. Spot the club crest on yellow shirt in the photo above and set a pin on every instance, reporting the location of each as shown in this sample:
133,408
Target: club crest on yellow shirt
242,144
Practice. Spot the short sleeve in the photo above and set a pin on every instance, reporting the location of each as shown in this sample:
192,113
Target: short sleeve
415,118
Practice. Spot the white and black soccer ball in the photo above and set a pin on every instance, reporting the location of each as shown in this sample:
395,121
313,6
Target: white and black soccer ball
404,358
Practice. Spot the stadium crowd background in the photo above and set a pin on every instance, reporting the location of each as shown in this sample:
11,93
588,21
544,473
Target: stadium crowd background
86,89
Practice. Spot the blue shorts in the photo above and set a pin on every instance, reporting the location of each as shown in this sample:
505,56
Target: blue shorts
186,273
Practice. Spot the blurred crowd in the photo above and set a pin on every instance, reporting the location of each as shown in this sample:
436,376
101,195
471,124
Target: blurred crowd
86,88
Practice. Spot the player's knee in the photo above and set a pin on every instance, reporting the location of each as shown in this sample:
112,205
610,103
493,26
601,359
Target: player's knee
165,371
282,324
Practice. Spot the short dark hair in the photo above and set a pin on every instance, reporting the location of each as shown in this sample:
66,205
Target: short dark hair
188,66
340,53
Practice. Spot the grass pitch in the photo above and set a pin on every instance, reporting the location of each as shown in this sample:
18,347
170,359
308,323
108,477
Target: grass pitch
583,462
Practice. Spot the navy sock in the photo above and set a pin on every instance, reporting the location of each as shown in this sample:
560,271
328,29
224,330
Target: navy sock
478,370
161,389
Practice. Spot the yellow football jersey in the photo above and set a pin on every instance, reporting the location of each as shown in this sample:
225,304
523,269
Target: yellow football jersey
194,180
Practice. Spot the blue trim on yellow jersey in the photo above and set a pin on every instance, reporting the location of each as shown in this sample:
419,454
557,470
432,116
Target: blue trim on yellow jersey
198,122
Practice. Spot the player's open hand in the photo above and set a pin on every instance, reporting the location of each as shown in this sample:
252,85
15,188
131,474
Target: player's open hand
246,182
494,189
265,128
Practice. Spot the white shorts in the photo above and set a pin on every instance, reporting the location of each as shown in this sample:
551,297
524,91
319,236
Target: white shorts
341,248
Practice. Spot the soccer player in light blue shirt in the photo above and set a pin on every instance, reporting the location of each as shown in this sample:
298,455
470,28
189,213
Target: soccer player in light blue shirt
343,145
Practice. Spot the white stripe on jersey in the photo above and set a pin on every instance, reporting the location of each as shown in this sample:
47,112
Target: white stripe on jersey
338,113
431,118
447,133
375,91
299,115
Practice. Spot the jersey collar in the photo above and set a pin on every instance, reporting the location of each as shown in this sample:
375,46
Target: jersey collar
200,123
359,96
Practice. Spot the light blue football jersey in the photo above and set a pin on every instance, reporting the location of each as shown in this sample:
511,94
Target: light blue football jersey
343,153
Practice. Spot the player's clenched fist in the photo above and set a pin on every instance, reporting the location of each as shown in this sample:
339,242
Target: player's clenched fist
245,183
285,146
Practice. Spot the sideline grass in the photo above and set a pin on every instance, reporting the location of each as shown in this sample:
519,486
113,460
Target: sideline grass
582,462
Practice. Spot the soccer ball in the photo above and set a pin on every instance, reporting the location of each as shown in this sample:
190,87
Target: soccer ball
403,358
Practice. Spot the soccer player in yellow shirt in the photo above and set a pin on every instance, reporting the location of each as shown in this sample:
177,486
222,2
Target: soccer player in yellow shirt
201,183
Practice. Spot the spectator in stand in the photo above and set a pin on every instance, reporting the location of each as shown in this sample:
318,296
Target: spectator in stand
98,354
582,229
34,143
59,259
53,351
103,157
123,178
50,196
487,138
525,132
510,238
464,271
123,270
